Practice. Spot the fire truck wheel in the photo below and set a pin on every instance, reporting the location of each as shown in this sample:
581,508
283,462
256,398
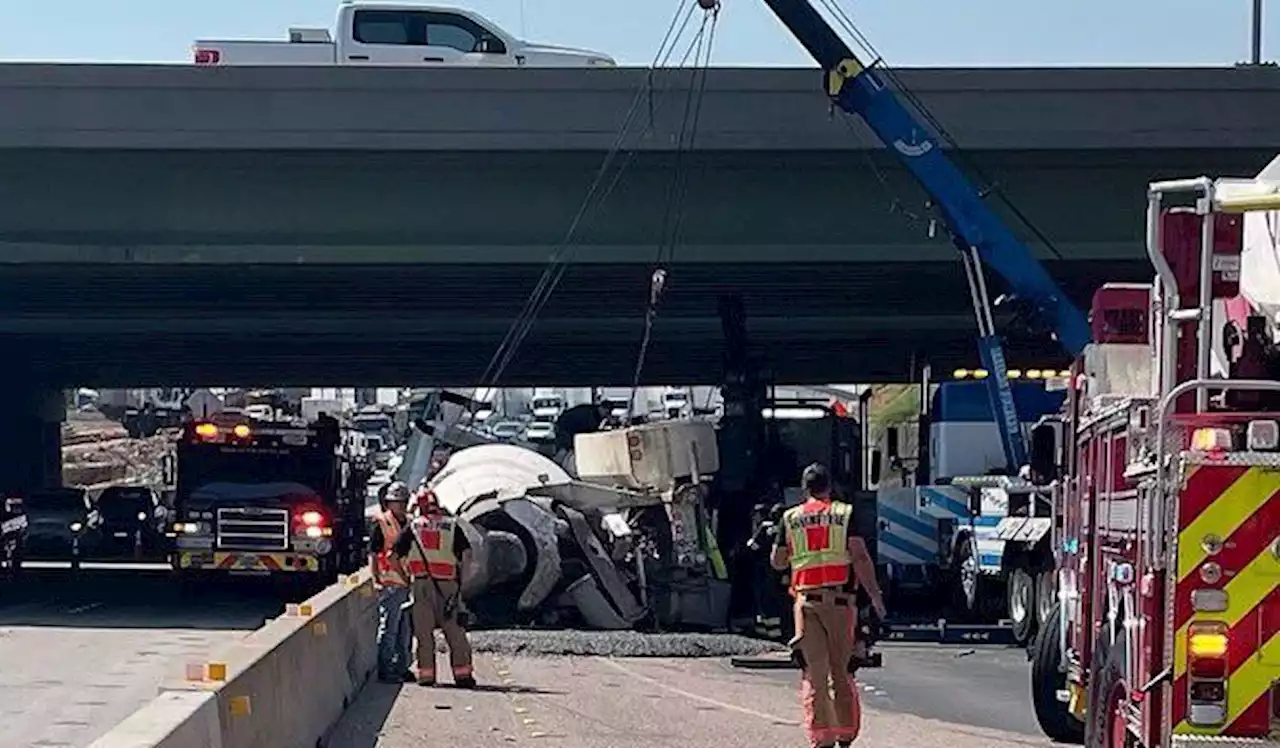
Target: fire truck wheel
1047,678
1021,605
1107,726
1046,596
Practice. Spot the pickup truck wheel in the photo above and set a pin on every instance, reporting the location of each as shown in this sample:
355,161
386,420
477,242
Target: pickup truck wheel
1047,678
1022,605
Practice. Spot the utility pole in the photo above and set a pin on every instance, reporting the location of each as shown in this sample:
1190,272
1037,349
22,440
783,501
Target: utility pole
1256,58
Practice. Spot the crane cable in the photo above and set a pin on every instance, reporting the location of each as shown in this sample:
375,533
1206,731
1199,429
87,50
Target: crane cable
991,186
597,194
594,198
558,270
673,215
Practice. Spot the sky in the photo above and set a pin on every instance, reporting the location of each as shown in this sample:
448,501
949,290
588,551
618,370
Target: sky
905,32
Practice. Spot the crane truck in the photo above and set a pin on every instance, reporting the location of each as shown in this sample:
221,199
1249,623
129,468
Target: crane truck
869,91
958,540
1166,470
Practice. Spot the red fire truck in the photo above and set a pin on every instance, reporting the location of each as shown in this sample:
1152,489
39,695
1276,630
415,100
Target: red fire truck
1165,468
266,499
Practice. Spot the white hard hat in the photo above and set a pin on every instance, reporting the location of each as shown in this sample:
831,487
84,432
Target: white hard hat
397,491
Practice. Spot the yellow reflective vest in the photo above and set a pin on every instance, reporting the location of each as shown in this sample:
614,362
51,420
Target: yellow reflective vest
818,534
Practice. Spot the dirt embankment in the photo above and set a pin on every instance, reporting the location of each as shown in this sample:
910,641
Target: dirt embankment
96,450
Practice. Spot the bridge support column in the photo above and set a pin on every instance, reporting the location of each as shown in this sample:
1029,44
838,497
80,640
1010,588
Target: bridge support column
31,438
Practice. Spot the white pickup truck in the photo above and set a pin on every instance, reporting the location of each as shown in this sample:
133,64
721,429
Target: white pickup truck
400,35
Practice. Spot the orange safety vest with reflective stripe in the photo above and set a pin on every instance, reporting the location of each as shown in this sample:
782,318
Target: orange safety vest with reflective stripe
388,568
432,553
818,533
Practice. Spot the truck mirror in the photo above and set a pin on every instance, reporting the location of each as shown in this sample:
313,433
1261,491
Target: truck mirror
891,442
490,44
875,466
1044,453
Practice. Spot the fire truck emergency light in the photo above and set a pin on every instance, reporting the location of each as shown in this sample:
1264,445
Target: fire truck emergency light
1012,374
1207,641
1211,440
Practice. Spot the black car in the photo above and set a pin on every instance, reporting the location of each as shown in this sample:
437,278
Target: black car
62,525
133,522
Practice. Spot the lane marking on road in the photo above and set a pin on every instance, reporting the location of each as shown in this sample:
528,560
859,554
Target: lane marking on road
698,697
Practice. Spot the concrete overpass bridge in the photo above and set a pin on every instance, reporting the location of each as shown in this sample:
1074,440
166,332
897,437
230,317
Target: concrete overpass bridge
165,224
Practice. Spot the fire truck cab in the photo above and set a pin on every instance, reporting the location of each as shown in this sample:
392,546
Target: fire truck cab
256,498
1166,484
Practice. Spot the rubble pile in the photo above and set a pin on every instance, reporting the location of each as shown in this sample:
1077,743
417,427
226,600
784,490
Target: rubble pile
88,428
96,451
613,643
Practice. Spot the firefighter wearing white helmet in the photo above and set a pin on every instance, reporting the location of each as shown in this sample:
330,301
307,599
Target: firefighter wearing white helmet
436,551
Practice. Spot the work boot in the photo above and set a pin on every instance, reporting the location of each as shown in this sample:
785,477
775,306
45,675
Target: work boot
408,676
426,680
465,681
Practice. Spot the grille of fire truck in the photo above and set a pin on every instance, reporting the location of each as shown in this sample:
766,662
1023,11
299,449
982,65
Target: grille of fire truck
252,528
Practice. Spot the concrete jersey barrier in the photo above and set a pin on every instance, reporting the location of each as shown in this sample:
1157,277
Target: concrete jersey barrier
283,686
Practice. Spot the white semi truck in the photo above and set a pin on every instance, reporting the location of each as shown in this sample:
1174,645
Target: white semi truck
398,35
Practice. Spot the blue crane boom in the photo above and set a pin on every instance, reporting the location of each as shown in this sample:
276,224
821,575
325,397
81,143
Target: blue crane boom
974,228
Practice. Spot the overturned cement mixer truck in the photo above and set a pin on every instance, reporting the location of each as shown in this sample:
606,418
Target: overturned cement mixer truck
624,544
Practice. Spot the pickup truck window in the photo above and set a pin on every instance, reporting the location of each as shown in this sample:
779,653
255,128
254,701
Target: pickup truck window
422,28
388,27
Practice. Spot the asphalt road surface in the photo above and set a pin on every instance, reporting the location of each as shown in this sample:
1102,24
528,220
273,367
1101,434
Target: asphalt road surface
981,687
924,698
77,656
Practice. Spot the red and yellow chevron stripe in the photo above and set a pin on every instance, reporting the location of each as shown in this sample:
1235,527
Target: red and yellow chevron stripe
248,561
1237,501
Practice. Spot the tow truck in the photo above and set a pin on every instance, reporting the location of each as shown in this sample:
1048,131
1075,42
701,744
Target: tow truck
958,540
870,91
263,499
1168,478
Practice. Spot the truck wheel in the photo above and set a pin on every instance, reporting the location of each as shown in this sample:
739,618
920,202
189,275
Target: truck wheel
977,595
1107,726
964,580
1046,596
1022,605
1047,678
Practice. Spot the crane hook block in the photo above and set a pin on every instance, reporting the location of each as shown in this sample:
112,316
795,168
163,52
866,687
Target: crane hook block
709,4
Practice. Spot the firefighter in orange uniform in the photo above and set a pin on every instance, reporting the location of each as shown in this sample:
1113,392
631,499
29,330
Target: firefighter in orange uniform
436,550
815,540
391,579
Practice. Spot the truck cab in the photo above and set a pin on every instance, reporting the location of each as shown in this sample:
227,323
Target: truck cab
263,499
398,35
